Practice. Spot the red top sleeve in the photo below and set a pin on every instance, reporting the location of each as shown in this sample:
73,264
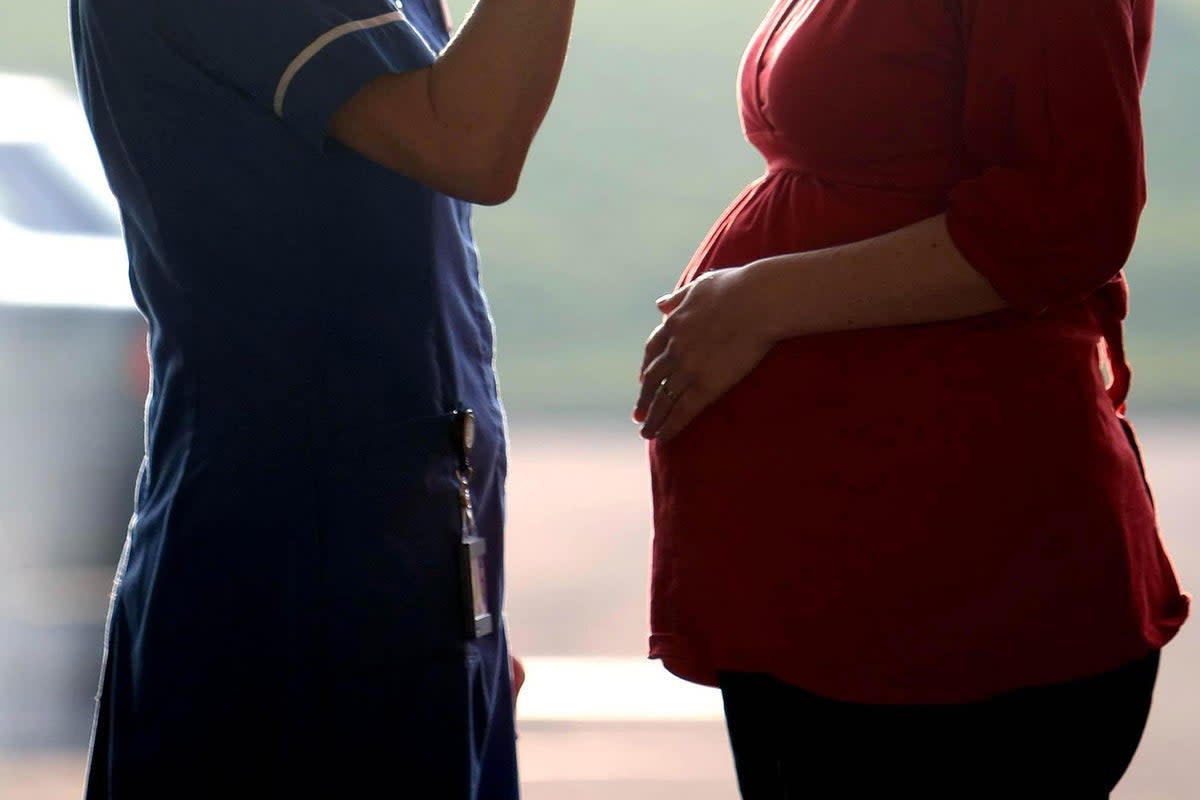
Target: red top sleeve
1052,129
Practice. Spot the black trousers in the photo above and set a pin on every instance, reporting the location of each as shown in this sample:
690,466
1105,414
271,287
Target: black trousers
1071,741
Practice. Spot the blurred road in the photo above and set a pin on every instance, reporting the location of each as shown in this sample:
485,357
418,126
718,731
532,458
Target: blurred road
578,544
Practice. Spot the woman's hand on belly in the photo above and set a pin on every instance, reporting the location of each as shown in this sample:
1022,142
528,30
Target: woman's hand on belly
709,340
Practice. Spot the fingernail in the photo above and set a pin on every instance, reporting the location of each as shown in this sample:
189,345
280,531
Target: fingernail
662,299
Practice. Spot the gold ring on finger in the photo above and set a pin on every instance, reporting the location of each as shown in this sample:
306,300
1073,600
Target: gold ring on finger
664,386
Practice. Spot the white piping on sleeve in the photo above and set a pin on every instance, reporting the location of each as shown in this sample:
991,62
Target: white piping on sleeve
323,41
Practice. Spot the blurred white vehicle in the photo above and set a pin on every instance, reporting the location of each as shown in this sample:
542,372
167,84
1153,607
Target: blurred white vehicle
73,378
72,344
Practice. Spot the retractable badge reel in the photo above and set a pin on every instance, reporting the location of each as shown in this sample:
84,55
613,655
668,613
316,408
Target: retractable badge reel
472,548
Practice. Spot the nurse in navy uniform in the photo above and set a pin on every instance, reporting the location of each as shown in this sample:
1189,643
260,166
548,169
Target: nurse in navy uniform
309,600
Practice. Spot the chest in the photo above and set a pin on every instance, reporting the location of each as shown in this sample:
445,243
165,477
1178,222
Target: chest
858,78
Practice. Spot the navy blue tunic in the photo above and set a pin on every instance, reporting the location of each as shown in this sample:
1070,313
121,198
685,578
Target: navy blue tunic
287,617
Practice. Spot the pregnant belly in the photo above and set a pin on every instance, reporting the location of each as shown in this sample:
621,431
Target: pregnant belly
791,212
833,440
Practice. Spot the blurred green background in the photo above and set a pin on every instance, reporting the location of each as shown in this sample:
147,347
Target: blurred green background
642,151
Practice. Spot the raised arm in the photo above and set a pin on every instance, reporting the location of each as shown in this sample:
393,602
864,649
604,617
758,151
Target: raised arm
465,124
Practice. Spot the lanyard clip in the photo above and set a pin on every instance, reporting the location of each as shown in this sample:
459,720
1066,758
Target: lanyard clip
464,434
477,616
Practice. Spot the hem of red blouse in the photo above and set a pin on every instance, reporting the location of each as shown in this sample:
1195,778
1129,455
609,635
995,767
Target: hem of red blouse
1163,630
682,660
674,655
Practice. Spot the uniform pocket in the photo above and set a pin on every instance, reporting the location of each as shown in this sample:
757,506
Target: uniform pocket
389,545
397,681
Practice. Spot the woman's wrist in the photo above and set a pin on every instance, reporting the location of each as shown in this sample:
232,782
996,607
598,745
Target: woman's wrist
767,297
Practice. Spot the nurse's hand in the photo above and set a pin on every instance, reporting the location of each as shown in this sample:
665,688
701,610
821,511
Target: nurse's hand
710,338
518,676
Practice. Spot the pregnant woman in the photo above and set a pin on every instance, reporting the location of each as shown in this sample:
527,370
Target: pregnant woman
900,516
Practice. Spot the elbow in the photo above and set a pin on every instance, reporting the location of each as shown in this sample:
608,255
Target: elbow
493,187
1111,258
1048,241
491,196
1033,274
1072,272
487,178
1078,269
1106,229
1106,242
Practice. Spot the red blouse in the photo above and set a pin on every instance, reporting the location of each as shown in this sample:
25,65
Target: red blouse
943,512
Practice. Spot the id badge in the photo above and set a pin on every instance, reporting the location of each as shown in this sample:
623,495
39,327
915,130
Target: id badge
478,618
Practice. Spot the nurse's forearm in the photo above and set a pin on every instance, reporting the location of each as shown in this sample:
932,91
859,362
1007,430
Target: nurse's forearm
464,125
495,81
910,276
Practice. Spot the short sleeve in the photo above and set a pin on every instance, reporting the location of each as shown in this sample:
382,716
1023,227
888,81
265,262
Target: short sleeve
298,59
1052,131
